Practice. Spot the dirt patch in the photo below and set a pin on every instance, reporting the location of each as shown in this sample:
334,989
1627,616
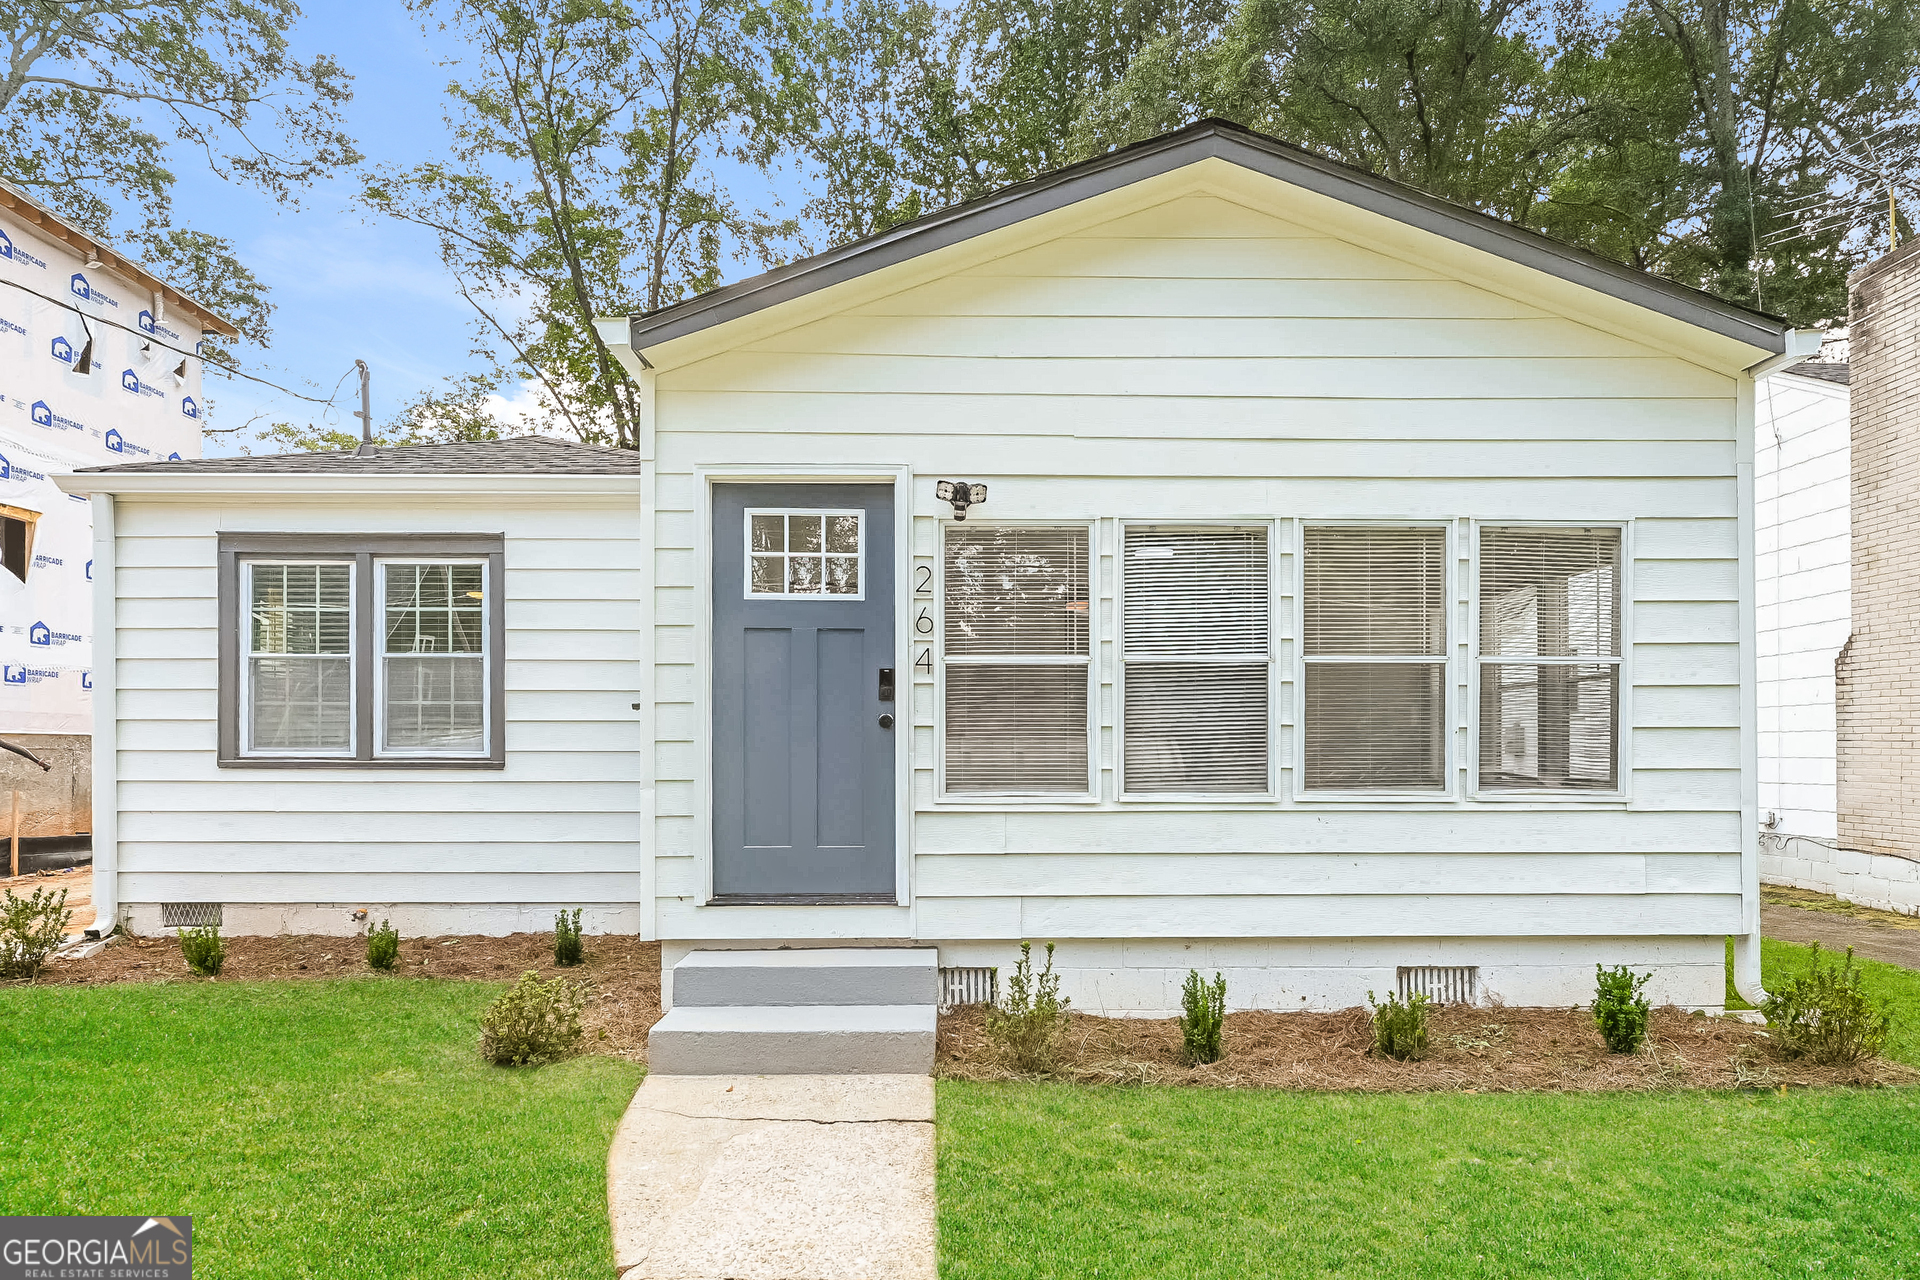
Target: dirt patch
77,881
1472,1050
1780,895
624,972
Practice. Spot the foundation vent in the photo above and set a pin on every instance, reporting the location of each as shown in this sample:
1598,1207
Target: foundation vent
1456,984
189,915
967,986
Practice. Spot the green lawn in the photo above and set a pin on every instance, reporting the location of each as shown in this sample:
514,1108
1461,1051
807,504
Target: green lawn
1057,1181
342,1128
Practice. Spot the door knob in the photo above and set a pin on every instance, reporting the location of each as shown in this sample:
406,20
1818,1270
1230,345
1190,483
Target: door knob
886,720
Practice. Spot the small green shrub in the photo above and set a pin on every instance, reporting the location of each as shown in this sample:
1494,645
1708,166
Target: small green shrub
383,946
1030,1025
1203,1012
31,929
1619,1008
204,952
567,950
532,1023
1824,1015
1400,1030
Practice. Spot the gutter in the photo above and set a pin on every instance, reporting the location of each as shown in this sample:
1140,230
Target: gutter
1800,344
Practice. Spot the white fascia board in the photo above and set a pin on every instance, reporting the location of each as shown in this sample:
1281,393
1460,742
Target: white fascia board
616,332
239,484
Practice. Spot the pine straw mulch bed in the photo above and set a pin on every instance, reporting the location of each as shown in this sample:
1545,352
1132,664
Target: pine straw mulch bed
623,972
1470,1050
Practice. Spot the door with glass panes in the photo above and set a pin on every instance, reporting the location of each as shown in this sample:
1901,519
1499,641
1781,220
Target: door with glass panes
803,692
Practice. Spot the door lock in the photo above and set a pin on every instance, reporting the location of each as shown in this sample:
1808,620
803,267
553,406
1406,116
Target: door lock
886,684
886,720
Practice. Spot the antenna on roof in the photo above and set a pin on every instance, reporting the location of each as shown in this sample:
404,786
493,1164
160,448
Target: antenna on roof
366,410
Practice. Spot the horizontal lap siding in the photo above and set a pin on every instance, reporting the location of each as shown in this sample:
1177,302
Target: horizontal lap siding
1203,360
561,823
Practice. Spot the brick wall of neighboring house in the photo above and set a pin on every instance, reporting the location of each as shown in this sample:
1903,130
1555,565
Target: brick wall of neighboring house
1878,675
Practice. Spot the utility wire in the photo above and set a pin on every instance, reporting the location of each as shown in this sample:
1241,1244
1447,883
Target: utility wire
230,369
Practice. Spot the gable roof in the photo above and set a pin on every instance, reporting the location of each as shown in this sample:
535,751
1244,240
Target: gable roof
1208,139
536,455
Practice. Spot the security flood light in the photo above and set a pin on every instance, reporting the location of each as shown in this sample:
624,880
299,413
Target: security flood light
961,493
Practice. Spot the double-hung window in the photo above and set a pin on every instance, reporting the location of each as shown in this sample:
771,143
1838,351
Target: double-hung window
361,651
1196,659
1016,653
1549,658
1374,640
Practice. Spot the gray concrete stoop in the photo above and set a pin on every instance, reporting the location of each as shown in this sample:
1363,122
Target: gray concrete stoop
786,1177
811,1011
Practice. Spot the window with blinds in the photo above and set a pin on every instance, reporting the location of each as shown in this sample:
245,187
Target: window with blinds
1195,636
1016,658
1374,640
1549,659
299,655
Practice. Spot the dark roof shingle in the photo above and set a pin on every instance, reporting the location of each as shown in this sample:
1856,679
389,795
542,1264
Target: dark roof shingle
1825,370
526,455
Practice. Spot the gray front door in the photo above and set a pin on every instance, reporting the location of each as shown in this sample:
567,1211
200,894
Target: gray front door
803,737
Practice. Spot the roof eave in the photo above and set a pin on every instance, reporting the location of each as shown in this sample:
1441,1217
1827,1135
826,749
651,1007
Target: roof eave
186,484
44,219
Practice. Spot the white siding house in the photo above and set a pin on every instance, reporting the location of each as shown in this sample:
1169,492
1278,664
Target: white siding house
1803,590
1350,584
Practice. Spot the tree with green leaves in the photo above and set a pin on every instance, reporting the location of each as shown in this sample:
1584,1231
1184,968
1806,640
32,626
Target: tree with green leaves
581,182
98,96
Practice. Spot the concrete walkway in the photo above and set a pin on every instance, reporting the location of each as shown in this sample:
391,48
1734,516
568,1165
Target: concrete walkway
775,1178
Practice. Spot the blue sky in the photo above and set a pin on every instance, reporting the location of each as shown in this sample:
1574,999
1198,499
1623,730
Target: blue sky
346,284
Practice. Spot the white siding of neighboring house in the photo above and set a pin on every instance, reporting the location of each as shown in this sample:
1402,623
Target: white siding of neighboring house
1802,577
1204,359
453,851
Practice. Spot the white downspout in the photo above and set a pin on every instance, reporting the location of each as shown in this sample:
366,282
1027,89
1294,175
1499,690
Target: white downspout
106,725
1799,344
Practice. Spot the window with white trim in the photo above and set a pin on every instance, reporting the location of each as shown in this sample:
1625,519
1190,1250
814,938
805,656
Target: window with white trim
1549,658
1016,659
299,659
433,657
1374,643
360,651
1195,653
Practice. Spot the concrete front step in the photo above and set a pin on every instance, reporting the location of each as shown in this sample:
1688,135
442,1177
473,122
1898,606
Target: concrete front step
865,1039
808,976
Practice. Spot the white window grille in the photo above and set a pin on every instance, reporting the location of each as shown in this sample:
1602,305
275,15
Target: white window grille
1196,655
809,554
1017,658
433,658
1549,658
299,659
1374,606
